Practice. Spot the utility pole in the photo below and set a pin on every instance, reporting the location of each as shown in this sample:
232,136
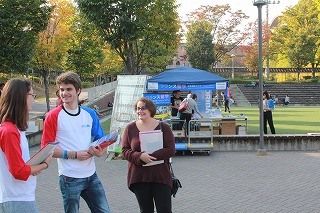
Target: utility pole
259,3
267,47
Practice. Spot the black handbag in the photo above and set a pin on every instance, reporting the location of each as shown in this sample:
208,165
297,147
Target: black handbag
175,182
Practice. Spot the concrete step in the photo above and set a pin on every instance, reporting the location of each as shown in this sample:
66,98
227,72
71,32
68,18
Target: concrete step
239,98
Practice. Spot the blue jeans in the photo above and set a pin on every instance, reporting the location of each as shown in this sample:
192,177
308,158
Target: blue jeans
90,189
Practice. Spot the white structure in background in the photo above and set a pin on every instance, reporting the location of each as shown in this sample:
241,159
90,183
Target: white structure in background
130,88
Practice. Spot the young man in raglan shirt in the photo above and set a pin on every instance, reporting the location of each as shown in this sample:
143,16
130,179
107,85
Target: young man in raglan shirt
74,126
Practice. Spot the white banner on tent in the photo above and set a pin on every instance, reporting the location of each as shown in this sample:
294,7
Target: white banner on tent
130,88
221,85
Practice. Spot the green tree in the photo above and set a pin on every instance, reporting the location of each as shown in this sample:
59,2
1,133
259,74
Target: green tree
224,27
297,35
199,45
85,53
51,49
20,23
143,33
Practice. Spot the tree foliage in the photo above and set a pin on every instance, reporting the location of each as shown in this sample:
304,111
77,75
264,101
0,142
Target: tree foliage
224,26
20,23
199,46
250,45
51,49
85,54
143,33
298,33
88,54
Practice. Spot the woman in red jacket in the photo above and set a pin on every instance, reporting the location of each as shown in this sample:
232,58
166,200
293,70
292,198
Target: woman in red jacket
151,184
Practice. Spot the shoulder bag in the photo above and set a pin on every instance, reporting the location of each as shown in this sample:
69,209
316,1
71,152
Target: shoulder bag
183,106
176,184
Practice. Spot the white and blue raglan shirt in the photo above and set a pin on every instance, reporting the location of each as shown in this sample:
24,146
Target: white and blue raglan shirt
74,132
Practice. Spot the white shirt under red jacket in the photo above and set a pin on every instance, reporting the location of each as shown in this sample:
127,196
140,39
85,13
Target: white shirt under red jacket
74,132
16,183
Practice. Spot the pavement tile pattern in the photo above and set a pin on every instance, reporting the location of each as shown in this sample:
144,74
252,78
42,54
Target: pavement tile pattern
224,182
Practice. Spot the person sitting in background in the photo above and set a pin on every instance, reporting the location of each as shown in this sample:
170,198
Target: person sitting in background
275,98
286,100
232,101
96,109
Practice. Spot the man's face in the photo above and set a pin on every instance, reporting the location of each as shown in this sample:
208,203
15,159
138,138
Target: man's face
178,94
69,95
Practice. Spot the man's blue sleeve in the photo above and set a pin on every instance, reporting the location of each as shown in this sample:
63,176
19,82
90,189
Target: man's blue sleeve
96,130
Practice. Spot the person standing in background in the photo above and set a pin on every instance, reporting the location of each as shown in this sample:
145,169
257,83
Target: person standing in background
226,101
187,114
59,100
150,184
17,179
176,100
267,114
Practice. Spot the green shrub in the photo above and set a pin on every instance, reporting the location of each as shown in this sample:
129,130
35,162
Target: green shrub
86,84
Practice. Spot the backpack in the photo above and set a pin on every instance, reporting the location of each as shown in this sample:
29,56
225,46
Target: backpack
271,103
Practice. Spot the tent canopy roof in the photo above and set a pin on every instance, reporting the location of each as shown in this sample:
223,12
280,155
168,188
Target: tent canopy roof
185,76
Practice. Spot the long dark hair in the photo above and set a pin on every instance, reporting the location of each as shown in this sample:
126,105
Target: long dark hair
266,94
13,102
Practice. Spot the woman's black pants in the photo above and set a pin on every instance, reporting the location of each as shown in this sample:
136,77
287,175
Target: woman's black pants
267,117
147,193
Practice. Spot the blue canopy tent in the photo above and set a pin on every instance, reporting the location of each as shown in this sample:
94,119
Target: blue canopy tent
186,78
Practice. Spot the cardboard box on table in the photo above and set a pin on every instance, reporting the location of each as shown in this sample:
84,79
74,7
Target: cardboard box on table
228,127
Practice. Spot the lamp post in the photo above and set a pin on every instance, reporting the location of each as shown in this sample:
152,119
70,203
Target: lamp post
232,56
259,3
267,46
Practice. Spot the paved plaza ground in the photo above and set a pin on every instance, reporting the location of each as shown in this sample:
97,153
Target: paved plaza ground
224,182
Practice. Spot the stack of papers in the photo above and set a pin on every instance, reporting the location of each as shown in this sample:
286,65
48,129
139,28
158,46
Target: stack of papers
151,141
42,154
106,140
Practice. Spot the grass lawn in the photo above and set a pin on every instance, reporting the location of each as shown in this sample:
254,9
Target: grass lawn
287,120
106,126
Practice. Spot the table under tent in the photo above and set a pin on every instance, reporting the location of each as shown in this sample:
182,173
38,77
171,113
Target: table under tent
189,79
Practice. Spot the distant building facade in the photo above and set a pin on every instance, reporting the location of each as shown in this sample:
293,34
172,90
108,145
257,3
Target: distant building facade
181,59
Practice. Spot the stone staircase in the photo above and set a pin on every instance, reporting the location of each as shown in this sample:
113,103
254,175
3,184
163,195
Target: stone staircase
239,98
307,94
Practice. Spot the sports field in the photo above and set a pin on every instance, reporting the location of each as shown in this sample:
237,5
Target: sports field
287,120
